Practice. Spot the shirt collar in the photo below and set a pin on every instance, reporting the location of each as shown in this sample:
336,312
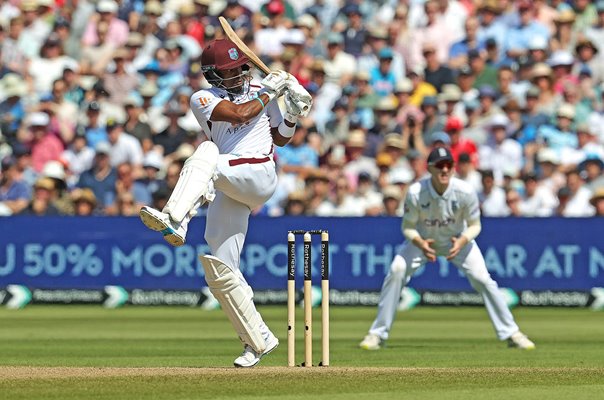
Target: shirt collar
434,194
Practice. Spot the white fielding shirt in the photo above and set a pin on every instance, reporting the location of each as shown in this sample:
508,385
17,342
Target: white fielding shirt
441,217
249,138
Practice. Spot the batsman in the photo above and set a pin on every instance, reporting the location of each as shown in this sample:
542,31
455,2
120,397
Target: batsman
235,172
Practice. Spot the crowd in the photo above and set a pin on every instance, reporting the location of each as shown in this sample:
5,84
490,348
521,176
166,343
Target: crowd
95,117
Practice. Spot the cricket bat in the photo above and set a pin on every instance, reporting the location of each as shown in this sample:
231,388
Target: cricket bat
254,59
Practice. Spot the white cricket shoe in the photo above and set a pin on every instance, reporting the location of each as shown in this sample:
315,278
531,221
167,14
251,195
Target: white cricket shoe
520,341
371,342
158,221
249,357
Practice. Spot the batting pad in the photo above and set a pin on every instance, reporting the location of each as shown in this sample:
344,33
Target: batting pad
193,181
235,300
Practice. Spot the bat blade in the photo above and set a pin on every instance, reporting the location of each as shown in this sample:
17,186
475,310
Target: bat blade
254,59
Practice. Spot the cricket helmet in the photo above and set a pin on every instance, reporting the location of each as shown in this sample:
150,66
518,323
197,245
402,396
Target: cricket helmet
221,55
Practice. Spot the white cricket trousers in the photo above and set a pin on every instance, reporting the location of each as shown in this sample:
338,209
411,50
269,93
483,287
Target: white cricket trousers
470,261
242,183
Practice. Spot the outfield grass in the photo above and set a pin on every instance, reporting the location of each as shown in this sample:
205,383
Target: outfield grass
187,353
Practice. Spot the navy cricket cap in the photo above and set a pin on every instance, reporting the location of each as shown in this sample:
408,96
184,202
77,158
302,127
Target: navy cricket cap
439,154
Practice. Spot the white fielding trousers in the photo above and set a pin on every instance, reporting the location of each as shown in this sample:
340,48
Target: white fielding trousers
470,261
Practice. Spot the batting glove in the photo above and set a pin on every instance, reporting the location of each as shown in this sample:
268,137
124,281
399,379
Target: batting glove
275,83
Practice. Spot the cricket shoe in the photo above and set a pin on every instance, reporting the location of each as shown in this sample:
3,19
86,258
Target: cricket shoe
371,342
520,341
158,221
250,357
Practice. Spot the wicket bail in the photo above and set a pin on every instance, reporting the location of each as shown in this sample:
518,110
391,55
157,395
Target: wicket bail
291,296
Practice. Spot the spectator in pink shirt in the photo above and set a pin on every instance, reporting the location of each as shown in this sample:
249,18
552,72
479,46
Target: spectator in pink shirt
45,146
435,31
117,33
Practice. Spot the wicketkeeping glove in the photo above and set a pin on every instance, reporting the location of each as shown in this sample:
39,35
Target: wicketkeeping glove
275,83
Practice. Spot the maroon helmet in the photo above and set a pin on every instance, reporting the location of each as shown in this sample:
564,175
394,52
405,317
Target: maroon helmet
222,54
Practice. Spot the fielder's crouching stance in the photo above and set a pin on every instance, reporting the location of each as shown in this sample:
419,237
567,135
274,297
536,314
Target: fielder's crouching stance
442,218
233,170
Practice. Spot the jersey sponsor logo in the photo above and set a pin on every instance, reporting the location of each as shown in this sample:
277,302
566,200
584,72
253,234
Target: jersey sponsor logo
425,205
439,223
454,206
203,101
233,54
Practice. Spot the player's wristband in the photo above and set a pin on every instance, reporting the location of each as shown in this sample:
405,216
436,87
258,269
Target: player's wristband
286,131
271,95
291,117
261,102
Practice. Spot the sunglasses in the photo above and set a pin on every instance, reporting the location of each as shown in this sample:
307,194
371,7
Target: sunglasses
443,164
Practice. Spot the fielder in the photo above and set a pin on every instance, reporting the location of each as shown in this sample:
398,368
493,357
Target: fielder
234,171
442,218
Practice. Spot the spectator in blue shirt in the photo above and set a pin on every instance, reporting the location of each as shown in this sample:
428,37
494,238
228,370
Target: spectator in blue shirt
14,193
518,39
561,135
458,54
383,79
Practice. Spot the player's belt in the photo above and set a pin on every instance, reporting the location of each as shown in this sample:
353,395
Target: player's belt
248,160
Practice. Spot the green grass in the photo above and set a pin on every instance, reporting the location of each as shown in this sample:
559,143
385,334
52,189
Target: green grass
187,353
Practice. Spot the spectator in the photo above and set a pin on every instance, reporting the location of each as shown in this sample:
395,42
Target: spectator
435,30
61,200
392,197
559,137
48,66
170,138
436,73
384,123
466,171
383,78
368,199
339,66
12,55
500,152
355,33
45,146
595,33
295,204
343,204
492,198
357,161
117,30
12,108
78,156
406,110
125,148
483,73
421,88
578,204
84,202
14,193
591,169
490,26
41,202
431,122
120,82
537,201
319,198
512,200
528,28
34,30
458,54
460,144
101,178
597,201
